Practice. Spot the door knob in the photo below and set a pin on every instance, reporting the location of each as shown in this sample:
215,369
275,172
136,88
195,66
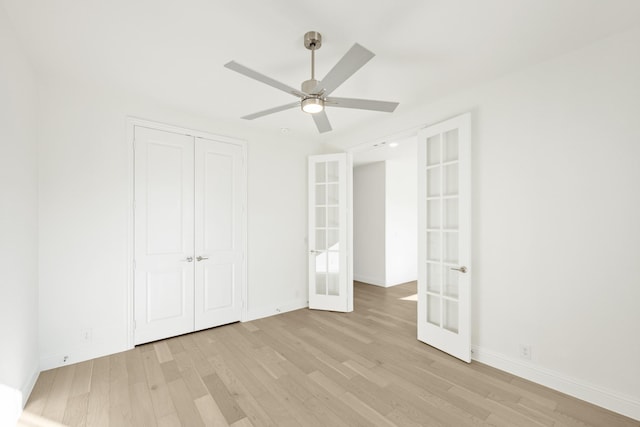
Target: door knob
462,269
189,259
200,258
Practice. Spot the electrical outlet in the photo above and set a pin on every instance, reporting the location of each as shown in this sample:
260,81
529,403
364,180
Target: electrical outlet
525,351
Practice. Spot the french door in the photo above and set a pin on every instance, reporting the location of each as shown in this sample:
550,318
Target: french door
330,283
188,233
444,241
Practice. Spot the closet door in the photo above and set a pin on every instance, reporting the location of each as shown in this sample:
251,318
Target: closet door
164,234
219,232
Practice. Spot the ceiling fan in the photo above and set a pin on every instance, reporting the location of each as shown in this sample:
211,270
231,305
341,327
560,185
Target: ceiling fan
314,94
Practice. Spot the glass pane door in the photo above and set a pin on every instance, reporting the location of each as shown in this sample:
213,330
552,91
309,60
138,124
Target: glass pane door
327,232
442,230
445,236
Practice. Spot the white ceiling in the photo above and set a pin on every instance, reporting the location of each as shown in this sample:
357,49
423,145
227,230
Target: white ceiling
401,148
174,51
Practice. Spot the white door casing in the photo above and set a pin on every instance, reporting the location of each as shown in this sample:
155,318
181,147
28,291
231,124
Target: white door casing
444,241
330,286
218,239
189,231
164,234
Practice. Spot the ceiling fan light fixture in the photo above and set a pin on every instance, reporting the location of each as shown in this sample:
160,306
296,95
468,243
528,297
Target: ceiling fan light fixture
312,105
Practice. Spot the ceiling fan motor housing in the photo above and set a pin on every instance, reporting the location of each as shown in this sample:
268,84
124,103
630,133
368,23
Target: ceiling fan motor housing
308,86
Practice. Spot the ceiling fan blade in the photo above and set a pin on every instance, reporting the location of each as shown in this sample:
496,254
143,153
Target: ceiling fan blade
233,65
271,110
362,104
322,121
351,62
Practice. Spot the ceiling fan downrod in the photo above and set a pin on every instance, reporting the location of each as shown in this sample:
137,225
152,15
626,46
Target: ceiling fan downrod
313,42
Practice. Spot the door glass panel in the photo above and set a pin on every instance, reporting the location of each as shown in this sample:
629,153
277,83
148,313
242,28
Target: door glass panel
433,309
321,173
334,220
334,262
434,277
321,240
433,182
451,145
334,284
451,282
334,273
321,262
333,171
333,238
321,217
433,214
450,318
333,193
321,194
433,246
321,283
451,247
451,213
321,273
433,150
451,179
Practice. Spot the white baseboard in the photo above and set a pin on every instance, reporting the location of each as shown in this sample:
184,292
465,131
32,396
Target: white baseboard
272,311
402,282
79,354
608,399
369,280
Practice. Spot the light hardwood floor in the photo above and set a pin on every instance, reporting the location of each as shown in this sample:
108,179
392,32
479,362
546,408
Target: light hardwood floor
303,368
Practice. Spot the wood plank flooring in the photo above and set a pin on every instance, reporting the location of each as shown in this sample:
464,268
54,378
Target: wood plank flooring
303,368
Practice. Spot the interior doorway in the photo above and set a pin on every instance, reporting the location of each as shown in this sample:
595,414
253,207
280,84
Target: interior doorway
385,209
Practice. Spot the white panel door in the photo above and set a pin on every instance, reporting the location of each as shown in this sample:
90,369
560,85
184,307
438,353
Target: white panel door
219,230
329,286
444,242
164,234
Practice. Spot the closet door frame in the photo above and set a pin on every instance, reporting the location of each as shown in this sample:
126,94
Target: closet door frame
131,123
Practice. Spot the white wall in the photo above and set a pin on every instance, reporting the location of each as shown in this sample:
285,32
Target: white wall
84,188
556,208
18,226
401,229
385,239
369,223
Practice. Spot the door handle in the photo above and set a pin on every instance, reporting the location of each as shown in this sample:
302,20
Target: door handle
189,259
462,269
313,251
201,258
